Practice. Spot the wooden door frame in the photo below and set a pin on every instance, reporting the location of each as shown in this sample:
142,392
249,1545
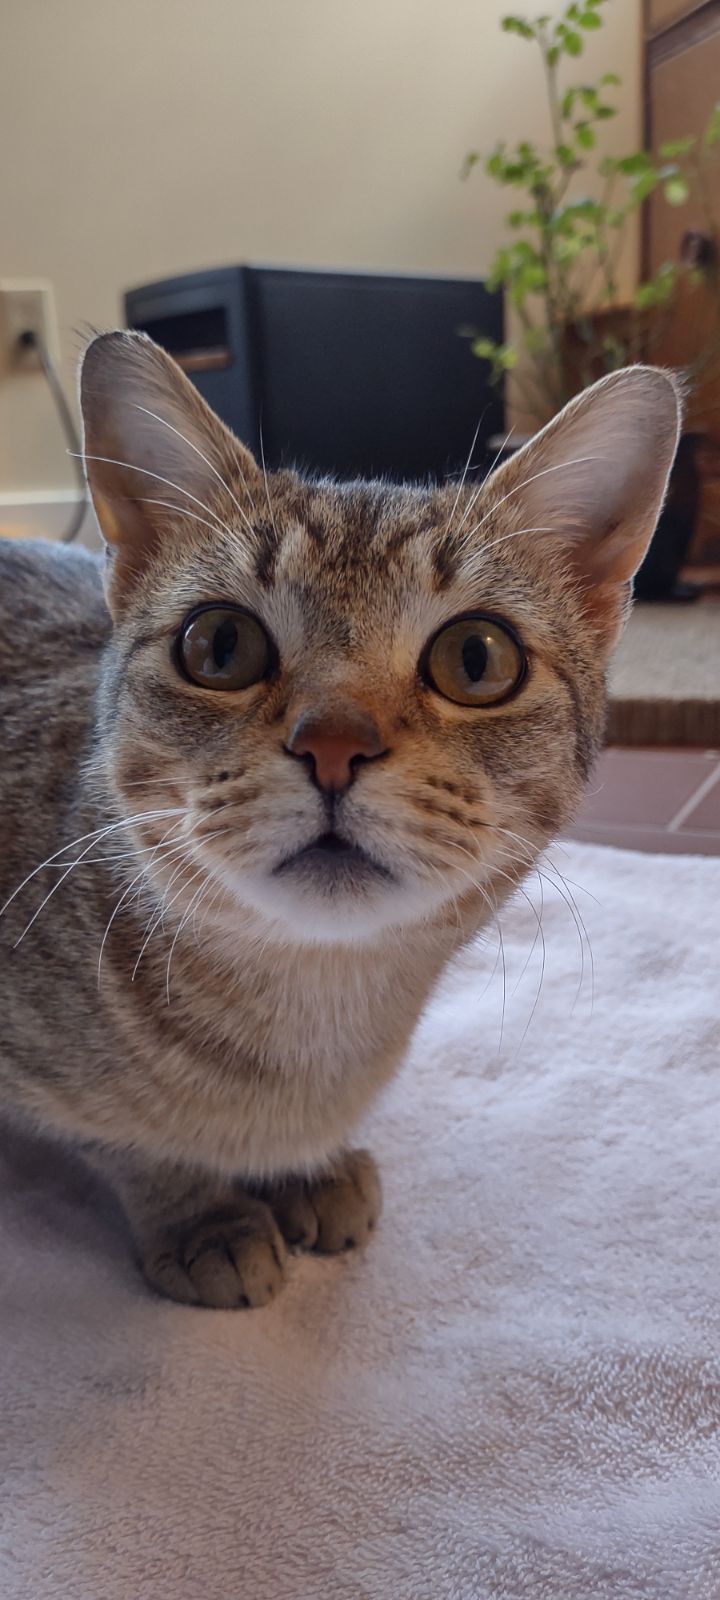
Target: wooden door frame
653,31
670,40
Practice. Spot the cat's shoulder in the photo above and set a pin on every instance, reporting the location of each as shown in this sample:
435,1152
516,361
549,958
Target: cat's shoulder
50,592
37,570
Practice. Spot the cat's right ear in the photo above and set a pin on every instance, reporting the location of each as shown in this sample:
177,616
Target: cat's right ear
158,461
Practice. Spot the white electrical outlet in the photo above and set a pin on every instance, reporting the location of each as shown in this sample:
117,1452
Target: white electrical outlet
26,304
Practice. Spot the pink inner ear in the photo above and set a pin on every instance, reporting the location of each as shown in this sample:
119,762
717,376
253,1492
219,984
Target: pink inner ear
598,474
157,457
607,605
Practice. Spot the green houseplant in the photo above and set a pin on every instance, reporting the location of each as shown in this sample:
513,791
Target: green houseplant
559,263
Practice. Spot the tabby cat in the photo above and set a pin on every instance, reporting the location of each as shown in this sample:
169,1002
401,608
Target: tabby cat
263,776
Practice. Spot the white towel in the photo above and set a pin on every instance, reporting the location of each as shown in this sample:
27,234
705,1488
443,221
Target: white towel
514,1393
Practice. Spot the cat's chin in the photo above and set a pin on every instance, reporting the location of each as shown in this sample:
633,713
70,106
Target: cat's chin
301,905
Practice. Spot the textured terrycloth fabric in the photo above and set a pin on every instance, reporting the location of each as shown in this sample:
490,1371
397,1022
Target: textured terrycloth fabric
515,1393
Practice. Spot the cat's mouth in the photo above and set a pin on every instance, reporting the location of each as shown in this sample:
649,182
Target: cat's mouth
331,860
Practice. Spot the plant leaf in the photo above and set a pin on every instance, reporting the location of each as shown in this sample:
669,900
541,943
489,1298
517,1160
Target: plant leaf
636,163
518,25
658,290
590,19
485,348
584,135
569,249
643,185
677,147
584,208
676,190
712,130
572,42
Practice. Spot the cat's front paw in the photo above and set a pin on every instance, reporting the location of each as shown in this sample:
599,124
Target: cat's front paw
335,1212
226,1259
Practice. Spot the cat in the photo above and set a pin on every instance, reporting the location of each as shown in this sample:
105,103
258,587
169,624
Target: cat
263,776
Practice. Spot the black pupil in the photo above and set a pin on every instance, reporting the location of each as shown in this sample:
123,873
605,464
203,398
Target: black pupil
474,657
224,643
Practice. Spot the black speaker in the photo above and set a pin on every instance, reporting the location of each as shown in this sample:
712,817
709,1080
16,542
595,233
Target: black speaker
354,374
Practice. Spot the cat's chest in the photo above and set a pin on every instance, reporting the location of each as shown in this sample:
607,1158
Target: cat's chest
319,1019
279,1059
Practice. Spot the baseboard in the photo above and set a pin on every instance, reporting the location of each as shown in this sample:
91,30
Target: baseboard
45,514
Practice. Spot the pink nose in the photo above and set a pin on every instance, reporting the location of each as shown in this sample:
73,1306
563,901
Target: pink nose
335,746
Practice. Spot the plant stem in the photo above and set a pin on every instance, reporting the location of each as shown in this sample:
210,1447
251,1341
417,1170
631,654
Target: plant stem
606,260
551,83
558,293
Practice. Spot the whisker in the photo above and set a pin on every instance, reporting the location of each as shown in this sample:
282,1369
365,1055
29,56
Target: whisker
119,855
529,844
194,923
153,849
95,837
560,466
147,783
111,461
441,876
519,533
173,847
579,886
539,934
165,424
265,477
541,979
157,916
504,982
481,486
568,897
126,855
182,922
583,936
151,500
466,469
492,906
48,897
118,905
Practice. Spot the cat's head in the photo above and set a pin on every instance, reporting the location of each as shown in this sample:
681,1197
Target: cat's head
367,702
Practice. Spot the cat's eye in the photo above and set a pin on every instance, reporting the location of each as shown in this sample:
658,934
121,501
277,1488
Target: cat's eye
475,661
223,647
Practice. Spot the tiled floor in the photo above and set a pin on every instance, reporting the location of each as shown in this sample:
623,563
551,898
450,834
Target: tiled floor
654,800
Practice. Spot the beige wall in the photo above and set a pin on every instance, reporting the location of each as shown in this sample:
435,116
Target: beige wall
147,137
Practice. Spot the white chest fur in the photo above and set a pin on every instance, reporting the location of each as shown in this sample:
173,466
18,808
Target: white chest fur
299,1041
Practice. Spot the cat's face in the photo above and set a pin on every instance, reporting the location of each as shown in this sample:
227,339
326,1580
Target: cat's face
365,702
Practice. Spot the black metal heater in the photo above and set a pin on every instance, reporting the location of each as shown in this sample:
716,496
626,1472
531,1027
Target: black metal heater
354,374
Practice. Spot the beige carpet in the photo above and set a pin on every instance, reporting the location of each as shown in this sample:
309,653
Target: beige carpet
514,1395
665,680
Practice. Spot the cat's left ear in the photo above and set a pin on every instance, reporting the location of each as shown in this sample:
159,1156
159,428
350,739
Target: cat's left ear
596,478
157,458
